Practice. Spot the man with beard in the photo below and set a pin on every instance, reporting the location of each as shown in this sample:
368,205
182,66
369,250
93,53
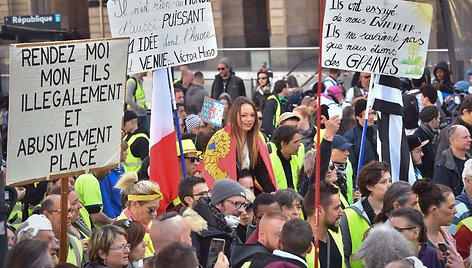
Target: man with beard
416,151
329,234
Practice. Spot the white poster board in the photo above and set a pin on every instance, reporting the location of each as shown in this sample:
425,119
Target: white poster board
382,37
66,107
164,33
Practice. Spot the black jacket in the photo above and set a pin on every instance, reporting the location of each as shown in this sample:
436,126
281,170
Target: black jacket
264,259
325,148
424,132
243,253
234,87
447,173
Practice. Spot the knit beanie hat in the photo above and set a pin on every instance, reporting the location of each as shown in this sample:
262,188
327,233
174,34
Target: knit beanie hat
428,113
192,122
225,188
129,115
227,62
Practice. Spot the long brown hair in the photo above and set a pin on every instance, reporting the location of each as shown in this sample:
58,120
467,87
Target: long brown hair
252,135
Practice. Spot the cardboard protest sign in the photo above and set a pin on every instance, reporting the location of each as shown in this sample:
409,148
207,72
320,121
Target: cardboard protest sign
164,33
212,111
382,37
66,107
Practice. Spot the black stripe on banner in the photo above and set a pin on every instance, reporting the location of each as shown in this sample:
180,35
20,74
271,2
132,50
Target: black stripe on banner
405,157
390,81
383,126
388,107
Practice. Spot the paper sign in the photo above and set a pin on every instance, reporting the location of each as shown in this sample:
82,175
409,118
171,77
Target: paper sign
164,33
212,111
66,107
383,37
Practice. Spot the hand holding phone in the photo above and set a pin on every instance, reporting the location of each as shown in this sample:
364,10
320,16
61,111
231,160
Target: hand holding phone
217,245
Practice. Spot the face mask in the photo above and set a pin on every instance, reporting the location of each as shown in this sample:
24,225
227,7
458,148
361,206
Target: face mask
232,221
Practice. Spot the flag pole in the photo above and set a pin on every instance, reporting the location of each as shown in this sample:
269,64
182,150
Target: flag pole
364,129
318,136
176,119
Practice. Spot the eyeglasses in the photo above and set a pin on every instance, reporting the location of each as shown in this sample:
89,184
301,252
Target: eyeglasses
259,78
203,194
193,159
71,211
238,204
151,210
221,69
403,229
122,247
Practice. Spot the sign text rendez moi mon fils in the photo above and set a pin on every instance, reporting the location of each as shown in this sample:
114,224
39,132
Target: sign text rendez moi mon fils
386,37
68,100
164,33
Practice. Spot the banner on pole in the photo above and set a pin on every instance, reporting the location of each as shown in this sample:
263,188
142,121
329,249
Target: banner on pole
66,107
164,33
381,37
212,111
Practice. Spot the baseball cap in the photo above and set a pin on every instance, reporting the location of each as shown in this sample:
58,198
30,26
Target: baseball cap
415,142
288,115
340,143
33,225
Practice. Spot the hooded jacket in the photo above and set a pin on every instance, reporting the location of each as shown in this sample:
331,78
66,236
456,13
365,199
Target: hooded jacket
446,86
195,96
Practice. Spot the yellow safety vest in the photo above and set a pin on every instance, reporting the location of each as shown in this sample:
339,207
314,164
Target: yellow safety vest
133,163
18,213
75,253
280,173
275,121
467,222
139,97
357,227
338,239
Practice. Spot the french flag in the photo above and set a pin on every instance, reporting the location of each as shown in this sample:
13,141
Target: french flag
163,162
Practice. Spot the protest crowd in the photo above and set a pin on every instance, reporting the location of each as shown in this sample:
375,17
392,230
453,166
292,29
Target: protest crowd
246,197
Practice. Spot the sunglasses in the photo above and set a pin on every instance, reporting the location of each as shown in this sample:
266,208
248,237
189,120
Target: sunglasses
193,159
151,210
221,69
265,77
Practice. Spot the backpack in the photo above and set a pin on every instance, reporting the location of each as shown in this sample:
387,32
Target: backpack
410,110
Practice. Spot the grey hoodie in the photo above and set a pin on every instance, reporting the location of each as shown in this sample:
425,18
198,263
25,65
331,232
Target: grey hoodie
195,96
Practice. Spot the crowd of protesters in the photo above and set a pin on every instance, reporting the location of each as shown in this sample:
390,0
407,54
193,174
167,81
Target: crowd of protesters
249,186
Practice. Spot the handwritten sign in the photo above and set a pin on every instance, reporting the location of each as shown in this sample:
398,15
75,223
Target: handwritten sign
164,33
66,107
382,37
212,111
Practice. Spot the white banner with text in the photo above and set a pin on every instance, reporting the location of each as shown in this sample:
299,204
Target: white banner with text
164,33
66,107
382,37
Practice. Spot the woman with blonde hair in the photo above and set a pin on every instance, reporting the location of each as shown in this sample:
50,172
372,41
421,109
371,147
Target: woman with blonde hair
108,248
239,142
141,201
